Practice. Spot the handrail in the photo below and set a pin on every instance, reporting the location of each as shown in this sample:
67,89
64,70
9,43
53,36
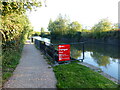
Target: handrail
49,49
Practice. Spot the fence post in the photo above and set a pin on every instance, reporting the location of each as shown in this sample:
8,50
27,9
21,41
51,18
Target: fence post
53,51
83,52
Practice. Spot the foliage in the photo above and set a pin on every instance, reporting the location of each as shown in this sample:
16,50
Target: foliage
42,31
41,34
73,28
14,22
115,26
10,60
62,27
78,76
36,33
15,29
17,6
59,26
103,35
103,25
45,35
103,29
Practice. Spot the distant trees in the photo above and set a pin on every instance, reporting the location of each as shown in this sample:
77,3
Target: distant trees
115,26
103,25
42,31
59,26
62,27
104,28
74,28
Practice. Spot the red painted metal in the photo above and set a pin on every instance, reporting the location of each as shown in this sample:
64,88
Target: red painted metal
64,52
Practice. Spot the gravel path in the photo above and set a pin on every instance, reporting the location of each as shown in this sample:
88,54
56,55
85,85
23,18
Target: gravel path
32,72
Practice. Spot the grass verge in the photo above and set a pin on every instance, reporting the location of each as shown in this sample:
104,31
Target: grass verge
10,59
74,75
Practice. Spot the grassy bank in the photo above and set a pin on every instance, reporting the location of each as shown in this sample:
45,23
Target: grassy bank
78,76
10,59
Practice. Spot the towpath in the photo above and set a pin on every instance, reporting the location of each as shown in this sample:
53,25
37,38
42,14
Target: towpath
32,71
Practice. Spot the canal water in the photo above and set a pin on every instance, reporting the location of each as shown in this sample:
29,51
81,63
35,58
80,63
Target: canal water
102,56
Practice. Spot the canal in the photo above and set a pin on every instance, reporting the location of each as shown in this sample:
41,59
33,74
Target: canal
103,56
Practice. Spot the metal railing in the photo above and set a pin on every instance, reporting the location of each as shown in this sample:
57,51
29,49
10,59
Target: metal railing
50,50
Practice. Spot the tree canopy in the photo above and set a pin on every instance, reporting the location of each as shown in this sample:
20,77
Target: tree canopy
103,25
15,25
59,26
75,26
63,26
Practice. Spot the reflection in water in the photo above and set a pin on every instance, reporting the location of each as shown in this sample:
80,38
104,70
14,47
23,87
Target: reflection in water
74,52
103,56
100,59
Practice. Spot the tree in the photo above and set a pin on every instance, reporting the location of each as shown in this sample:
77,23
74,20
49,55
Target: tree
42,31
16,6
103,25
15,28
115,27
62,27
59,26
50,26
14,23
74,27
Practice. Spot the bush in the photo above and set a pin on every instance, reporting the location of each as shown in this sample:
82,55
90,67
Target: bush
104,34
10,59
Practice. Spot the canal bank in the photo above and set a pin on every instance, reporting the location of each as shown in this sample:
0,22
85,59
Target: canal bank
109,40
74,75
96,69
